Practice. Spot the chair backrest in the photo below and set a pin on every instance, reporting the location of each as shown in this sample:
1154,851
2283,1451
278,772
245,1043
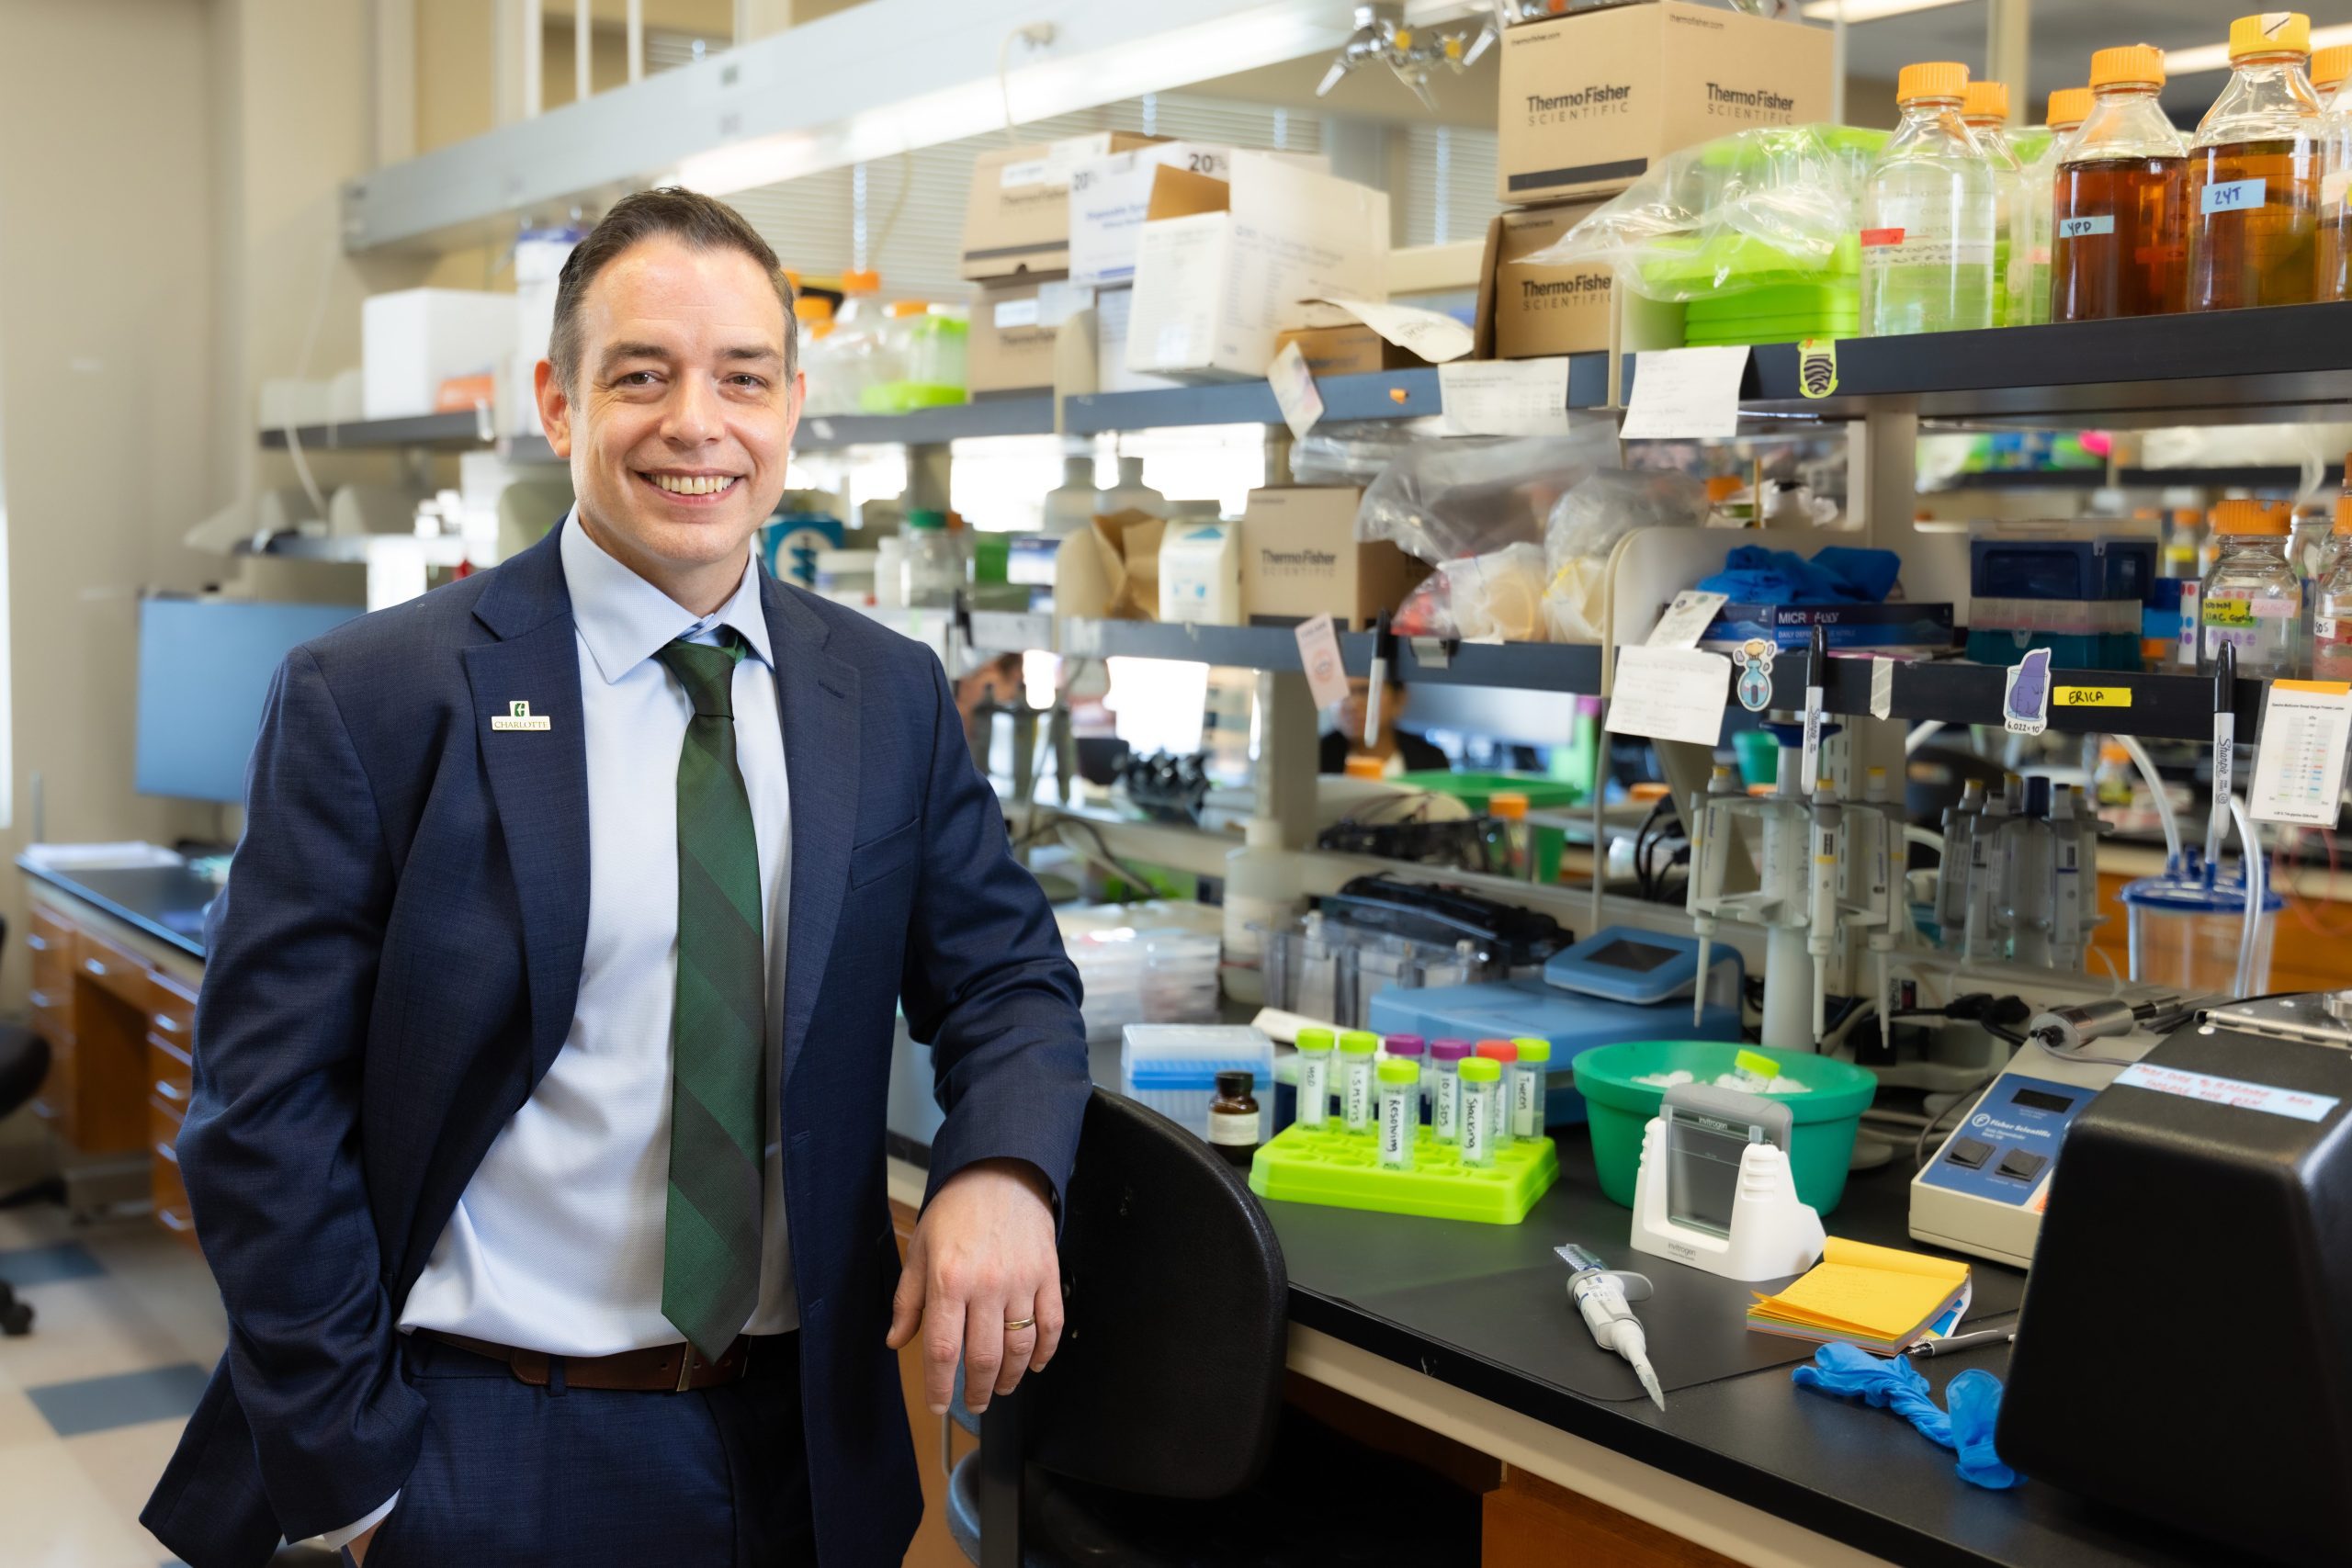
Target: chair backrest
1168,1379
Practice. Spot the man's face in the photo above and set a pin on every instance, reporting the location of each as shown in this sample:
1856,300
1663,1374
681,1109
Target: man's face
678,429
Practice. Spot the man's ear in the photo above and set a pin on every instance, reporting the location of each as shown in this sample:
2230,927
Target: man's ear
555,408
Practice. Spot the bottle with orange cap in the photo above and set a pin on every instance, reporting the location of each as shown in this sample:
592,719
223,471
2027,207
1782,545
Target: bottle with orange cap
2253,174
1927,215
2118,235
2068,106
2331,75
2252,599
2331,601
1984,109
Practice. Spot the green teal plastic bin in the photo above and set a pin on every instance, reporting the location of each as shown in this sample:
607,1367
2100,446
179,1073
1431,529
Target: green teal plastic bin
1820,1143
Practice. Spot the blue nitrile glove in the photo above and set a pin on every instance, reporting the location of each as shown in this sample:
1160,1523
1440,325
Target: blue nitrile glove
1849,1371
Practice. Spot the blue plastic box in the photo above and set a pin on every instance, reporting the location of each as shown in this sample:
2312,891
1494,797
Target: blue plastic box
2061,569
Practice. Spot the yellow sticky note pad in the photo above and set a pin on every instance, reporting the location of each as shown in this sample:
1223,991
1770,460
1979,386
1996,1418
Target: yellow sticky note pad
1878,1292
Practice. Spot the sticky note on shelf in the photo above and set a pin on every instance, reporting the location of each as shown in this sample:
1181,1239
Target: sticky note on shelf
1505,397
1685,394
1670,694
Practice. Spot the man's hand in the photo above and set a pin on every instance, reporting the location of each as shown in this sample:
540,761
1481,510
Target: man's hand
982,1258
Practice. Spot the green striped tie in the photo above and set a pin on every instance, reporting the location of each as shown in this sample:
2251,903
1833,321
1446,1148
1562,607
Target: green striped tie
710,1259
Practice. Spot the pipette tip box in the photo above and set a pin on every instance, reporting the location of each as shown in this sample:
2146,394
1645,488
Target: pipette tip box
1343,1170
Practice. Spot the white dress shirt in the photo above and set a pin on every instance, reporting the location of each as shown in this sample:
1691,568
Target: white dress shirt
557,1243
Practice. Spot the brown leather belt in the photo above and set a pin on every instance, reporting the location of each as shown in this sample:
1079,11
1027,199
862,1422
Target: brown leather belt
660,1369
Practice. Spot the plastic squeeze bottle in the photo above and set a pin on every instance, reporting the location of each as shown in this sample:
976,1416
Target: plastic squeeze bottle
1984,109
2119,239
1928,220
2253,174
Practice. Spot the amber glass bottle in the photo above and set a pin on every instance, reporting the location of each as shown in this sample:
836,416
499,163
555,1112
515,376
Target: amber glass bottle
2119,242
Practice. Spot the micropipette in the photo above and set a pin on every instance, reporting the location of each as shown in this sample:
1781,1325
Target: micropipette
1815,659
1890,904
1384,660
2225,737
1601,1294
1821,913
1703,843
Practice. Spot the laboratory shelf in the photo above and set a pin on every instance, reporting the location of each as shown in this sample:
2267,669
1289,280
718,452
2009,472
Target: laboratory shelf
463,428
2161,707
1526,666
929,427
2273,479
1386,394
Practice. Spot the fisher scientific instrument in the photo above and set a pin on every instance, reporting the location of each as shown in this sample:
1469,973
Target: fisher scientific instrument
1602,1294
1412,54
1986,1188
2203,1188
1715,1191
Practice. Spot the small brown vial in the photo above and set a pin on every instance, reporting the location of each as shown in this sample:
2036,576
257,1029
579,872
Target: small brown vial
1233,1118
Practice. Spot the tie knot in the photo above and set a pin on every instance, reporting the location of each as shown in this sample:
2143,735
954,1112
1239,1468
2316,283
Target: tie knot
707,672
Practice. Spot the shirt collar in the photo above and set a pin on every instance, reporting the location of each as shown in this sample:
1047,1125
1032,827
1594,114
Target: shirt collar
625,620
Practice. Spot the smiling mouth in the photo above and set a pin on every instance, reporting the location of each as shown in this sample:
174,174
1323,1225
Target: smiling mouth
692,487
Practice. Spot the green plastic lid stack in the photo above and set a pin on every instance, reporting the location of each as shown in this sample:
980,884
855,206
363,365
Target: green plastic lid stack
1399,1070
1534,1049
1314,1041
1358,1043
1481,1069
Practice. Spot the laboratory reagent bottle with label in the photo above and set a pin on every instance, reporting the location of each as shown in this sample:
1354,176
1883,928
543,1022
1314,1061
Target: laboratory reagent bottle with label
1400,1111
2068,106
1482,1078
932,570
2251,599
1446,1088
1314,1076
2118,234
1530,1082
1927,215
2331,68
2331,616
1233,1118
2253,174
1984,109
1356,1051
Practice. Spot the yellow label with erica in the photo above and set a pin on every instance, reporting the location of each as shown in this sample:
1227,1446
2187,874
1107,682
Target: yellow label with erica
2091,696
2228,612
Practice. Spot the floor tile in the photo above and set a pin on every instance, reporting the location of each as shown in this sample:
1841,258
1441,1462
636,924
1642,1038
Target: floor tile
123,1399
22,1267
124,1463
53,1515
86,1328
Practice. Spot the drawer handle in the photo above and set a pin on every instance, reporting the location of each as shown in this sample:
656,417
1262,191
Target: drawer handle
165,1151
40,999
173,1219
95,967
171,1091
37,942
167,1023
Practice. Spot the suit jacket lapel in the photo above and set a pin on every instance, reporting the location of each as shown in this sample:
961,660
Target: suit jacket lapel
538,777
818,695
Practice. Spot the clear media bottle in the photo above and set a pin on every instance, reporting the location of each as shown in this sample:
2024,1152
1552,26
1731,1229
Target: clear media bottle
1482,1078
1446,1088
2332,612
2068,106
1984,109
931,572
2251,599
1400,1111
2331,74
1233,1118
2253,174
2119,226
1927,215
1314,1077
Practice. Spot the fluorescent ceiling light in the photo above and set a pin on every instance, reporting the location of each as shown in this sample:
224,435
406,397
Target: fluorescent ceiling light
2208,57
1871,10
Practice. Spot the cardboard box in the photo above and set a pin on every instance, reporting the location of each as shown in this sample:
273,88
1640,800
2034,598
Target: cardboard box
1200,573
1017,219
1349,350
1111,570
1014,326
1222,267
1114,309
1589,102
1528,312
412,341
1300,558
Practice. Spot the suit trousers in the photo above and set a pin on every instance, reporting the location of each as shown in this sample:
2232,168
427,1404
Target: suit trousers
517,1476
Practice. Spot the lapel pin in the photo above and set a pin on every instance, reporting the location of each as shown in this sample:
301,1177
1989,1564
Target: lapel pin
518,716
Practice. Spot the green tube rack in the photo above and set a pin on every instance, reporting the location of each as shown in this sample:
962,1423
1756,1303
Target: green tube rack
1342,1169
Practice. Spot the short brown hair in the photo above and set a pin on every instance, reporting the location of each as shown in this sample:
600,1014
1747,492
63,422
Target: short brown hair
701,222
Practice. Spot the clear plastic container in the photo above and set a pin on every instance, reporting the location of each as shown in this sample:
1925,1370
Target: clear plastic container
1928,215
2253,174
1172,1068
1356,1051
1315,1048
2120,234
1400,1111
2185,933
1131,495
2068,106
2331,78
847,362
1984,109
2332,602
1482,1119
932,569
2252,598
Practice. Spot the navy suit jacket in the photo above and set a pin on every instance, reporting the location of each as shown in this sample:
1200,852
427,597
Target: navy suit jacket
395,963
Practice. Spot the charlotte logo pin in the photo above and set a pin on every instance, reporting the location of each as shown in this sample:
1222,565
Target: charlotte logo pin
518,716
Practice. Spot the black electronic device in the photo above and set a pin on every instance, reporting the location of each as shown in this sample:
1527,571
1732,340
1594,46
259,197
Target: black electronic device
2184,1349
1425,911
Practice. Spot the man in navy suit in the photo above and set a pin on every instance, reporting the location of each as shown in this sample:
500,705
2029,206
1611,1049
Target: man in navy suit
537,1137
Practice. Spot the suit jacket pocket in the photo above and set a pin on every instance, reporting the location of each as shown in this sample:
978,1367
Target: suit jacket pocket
884,853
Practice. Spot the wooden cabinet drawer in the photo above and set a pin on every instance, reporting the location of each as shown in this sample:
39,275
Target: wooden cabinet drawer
171,1077
113,969
171,1011
51,942
53,1016
170,1192
59,1102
